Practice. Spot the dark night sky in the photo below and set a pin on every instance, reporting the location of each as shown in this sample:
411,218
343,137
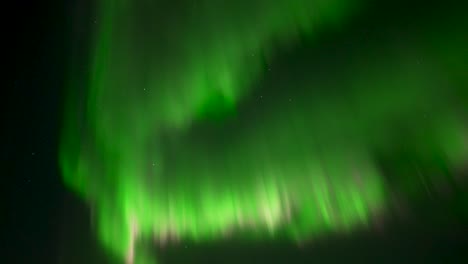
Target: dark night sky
45,223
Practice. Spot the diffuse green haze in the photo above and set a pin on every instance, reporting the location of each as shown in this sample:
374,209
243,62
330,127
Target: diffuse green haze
153,167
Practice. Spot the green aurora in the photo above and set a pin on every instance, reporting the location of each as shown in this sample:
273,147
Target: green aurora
177,140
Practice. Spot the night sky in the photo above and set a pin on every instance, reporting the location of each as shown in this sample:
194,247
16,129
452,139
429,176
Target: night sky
47,222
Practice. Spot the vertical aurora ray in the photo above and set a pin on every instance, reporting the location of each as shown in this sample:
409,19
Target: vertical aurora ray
146,153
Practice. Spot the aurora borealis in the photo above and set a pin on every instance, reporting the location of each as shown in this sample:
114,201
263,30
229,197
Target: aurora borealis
187,129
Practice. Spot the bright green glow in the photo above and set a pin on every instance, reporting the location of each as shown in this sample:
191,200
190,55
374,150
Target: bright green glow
306,166
216,107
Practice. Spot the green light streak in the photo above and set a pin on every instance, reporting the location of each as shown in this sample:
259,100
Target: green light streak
306,167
